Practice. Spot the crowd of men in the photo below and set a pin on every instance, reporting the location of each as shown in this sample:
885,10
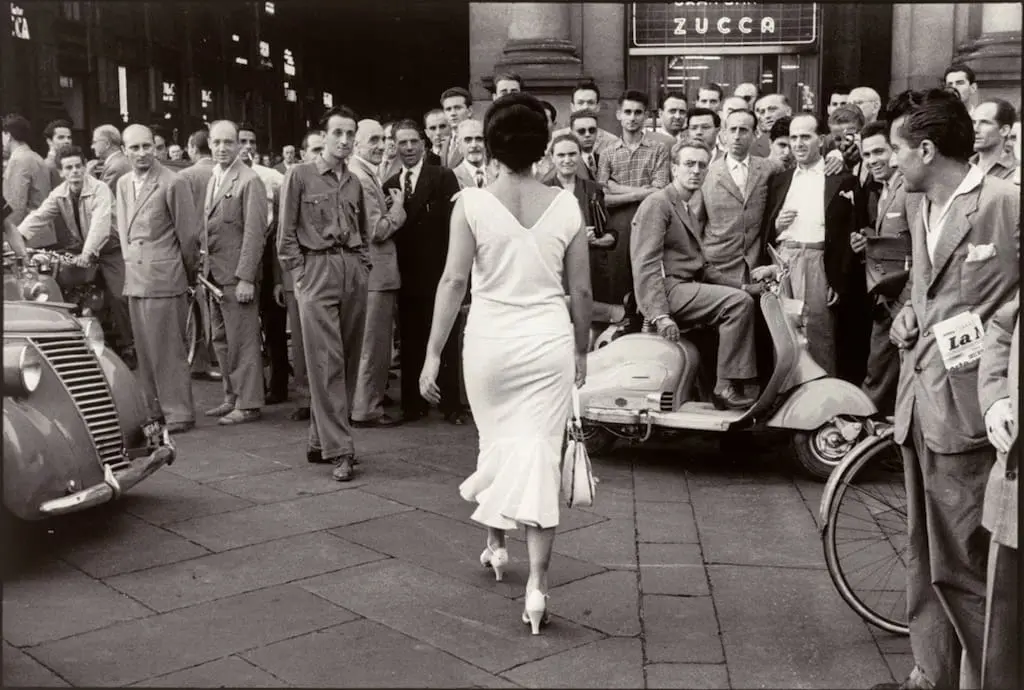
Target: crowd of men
896,226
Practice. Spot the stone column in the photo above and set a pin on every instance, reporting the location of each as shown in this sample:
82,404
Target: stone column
995,56
539,48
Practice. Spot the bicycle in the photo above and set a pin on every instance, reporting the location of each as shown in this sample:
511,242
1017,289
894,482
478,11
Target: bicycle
864,530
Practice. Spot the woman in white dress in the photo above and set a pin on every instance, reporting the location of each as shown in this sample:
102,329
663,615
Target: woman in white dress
524,345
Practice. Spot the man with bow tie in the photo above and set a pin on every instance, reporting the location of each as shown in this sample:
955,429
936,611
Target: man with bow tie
233,239
157,223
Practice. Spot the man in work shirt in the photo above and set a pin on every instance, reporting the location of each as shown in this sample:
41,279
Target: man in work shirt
322,240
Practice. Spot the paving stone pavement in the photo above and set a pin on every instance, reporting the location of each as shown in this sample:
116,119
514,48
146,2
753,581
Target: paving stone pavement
242,565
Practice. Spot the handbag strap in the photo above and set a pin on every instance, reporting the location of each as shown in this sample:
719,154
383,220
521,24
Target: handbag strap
576,407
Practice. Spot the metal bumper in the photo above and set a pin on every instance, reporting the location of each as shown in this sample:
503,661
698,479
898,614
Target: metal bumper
114,483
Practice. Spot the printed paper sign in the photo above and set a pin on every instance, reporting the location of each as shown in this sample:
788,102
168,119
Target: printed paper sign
961,340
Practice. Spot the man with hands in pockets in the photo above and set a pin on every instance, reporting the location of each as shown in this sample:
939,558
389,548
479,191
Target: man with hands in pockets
965,267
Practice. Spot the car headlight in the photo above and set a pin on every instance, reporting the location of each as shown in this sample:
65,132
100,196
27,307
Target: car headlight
93,333
23,369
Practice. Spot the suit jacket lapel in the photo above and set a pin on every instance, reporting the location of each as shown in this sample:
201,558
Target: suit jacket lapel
685,215
884,207
725,178
955,229
782,183
148,187
230,177
419,195
832,185
757,169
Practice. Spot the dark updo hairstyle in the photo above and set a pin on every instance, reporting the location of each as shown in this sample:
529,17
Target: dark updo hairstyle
516,131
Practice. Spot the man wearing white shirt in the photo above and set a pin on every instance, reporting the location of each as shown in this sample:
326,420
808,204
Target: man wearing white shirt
472,171
587,96
810,219
672,117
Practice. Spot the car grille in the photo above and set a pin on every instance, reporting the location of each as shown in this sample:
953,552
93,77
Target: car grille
80,372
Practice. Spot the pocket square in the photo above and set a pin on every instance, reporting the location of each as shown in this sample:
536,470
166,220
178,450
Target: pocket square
980,252
847,194
893,214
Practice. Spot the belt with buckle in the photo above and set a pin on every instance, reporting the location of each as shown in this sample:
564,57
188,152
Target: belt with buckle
333,249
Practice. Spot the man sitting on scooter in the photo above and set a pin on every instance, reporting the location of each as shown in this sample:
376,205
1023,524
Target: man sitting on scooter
676,286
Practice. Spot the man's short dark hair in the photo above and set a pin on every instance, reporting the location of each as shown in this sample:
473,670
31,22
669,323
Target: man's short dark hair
746,111
780,128
847,115
307,135
68,151
432,111
551,110
942,118
586,85
455,92
506,75
409,123
18,127
244,126
960,67
51,129
635,96
703,112
874,128
820,126
1006,114
582,115
340,111
200,141
671,93
712,86
841,89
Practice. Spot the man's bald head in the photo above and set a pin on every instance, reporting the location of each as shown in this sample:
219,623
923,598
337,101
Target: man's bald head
139,147
868,100
136,132
369,144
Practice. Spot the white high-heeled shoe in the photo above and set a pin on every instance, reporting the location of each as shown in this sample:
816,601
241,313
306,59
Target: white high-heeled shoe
535,613
496,559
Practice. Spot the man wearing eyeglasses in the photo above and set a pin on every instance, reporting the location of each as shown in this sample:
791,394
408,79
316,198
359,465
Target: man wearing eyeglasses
583,124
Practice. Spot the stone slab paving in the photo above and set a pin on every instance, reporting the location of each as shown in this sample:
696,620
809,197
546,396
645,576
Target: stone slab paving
245,566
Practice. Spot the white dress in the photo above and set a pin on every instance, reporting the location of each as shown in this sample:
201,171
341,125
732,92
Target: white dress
518,359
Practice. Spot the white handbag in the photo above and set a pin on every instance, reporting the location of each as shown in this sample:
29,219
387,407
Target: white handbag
578,482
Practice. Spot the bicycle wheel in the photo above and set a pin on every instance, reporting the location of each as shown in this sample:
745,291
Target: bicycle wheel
865,535
192,325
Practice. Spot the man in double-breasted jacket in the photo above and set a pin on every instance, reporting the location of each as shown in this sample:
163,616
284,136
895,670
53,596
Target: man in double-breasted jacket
233,239
157,223
965,266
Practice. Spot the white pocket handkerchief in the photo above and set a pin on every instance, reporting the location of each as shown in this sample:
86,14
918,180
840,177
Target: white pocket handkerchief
847,194
893,214
980,252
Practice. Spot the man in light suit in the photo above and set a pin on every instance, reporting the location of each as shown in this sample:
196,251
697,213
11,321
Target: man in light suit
110,162
384,281
473,170
676,285
233,240
86,208
734,196
810,215
158,225
895,210
198,177
965,267
26,178
999,393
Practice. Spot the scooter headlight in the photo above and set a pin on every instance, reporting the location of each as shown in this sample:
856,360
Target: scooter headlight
23,369
93,334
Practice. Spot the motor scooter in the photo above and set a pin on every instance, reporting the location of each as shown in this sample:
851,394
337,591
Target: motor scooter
640,385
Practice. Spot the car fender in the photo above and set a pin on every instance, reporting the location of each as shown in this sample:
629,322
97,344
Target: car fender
41,461
129,400
815,402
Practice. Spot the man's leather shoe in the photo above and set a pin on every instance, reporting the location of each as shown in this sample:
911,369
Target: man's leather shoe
239,417
180,427
457,418
731,399
383,421
221,410
343,469
316,457
299,414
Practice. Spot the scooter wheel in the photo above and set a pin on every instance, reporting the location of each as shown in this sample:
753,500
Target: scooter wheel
819,452
597,440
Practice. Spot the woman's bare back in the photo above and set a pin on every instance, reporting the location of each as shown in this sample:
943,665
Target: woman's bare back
525,200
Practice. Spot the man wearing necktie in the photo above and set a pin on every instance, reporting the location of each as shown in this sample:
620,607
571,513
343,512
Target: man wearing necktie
233,239
158,226
457,104
583,123
422,244
893,214
322,239
472,171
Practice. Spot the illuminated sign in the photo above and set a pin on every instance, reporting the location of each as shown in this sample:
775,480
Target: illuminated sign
19,23
289,63
328,100
289,95
265,60
169,92
722,25
206,96
268,7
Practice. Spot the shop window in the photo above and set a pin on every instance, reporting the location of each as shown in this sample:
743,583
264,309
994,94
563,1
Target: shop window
19,23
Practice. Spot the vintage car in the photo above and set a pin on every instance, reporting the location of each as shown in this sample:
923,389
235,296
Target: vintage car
77,430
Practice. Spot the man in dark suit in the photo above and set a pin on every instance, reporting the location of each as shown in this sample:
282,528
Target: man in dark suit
233,237
894,209
966,266
422,244
809,220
